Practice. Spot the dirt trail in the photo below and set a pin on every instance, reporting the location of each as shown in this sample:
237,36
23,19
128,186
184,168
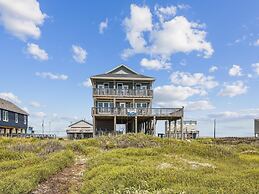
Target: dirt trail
61,183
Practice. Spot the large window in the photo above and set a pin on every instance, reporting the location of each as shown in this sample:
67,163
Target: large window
5,116
16,118
25,119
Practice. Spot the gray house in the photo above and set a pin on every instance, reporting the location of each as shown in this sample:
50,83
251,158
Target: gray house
13,120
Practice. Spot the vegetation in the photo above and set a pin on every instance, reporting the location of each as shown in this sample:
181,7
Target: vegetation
24,163
134,164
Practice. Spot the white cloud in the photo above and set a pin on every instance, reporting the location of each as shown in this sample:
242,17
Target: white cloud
256,43
103,25
165,38
22,18
196,79
79,54
39,114
140,21
256,68
154,64
180,35
213,69
233,89
170,95
36,52
199,105
165,12
87,83
235,70
35,104
10,97
232,115
52,76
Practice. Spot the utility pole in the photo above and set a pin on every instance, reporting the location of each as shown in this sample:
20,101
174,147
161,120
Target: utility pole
214,132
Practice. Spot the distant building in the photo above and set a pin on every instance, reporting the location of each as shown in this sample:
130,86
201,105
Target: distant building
256,127
190,130
80,130
13,120
123,103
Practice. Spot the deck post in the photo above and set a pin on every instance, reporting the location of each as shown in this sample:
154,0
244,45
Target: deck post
182,128
175,130
154,125
136,124
115,122
166,129
94,128
169,130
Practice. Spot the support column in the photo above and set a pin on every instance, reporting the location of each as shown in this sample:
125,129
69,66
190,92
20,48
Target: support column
166,129
114,124
94,127
154,126
175,129
182,128
169,130
136,124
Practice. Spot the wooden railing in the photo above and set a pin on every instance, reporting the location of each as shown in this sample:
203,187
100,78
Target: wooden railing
122,92
177,112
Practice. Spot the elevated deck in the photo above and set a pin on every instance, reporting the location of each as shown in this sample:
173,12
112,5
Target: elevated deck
127,93
159,113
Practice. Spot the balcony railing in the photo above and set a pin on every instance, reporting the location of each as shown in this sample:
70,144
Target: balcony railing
175,112
122,92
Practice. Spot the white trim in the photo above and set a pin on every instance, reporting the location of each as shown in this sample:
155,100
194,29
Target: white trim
16,117
5,116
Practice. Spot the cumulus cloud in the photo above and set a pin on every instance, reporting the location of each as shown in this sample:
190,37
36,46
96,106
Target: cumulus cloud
140,21
35,104
52,76
196,79
169,95
155,64
233,89
199,105
87,83
235,70
231,115
213,69
256,68
165,38
36,52
79,54
22,18
39,114
103,25
10,97
256,43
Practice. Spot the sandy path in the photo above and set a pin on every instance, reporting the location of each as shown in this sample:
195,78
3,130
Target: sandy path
62,182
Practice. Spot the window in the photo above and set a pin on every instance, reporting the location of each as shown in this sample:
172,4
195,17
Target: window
16,118
141,105
25,119
0,115
5,116
119,86
106,85
100,86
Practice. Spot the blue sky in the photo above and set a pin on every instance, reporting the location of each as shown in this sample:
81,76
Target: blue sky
203,54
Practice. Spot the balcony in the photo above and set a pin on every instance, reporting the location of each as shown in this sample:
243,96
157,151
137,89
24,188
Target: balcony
131,112
122,92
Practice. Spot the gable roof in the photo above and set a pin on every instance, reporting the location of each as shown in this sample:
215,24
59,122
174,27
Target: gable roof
7,105
122,72
87,123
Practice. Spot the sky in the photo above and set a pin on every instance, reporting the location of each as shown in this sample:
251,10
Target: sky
203,54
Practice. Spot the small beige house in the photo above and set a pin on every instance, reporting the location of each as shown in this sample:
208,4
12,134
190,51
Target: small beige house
80,130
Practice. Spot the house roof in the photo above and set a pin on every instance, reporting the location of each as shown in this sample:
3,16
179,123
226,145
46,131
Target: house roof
7,105
122,72
84,121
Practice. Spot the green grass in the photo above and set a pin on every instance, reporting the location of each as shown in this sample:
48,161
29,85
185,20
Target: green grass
134,164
